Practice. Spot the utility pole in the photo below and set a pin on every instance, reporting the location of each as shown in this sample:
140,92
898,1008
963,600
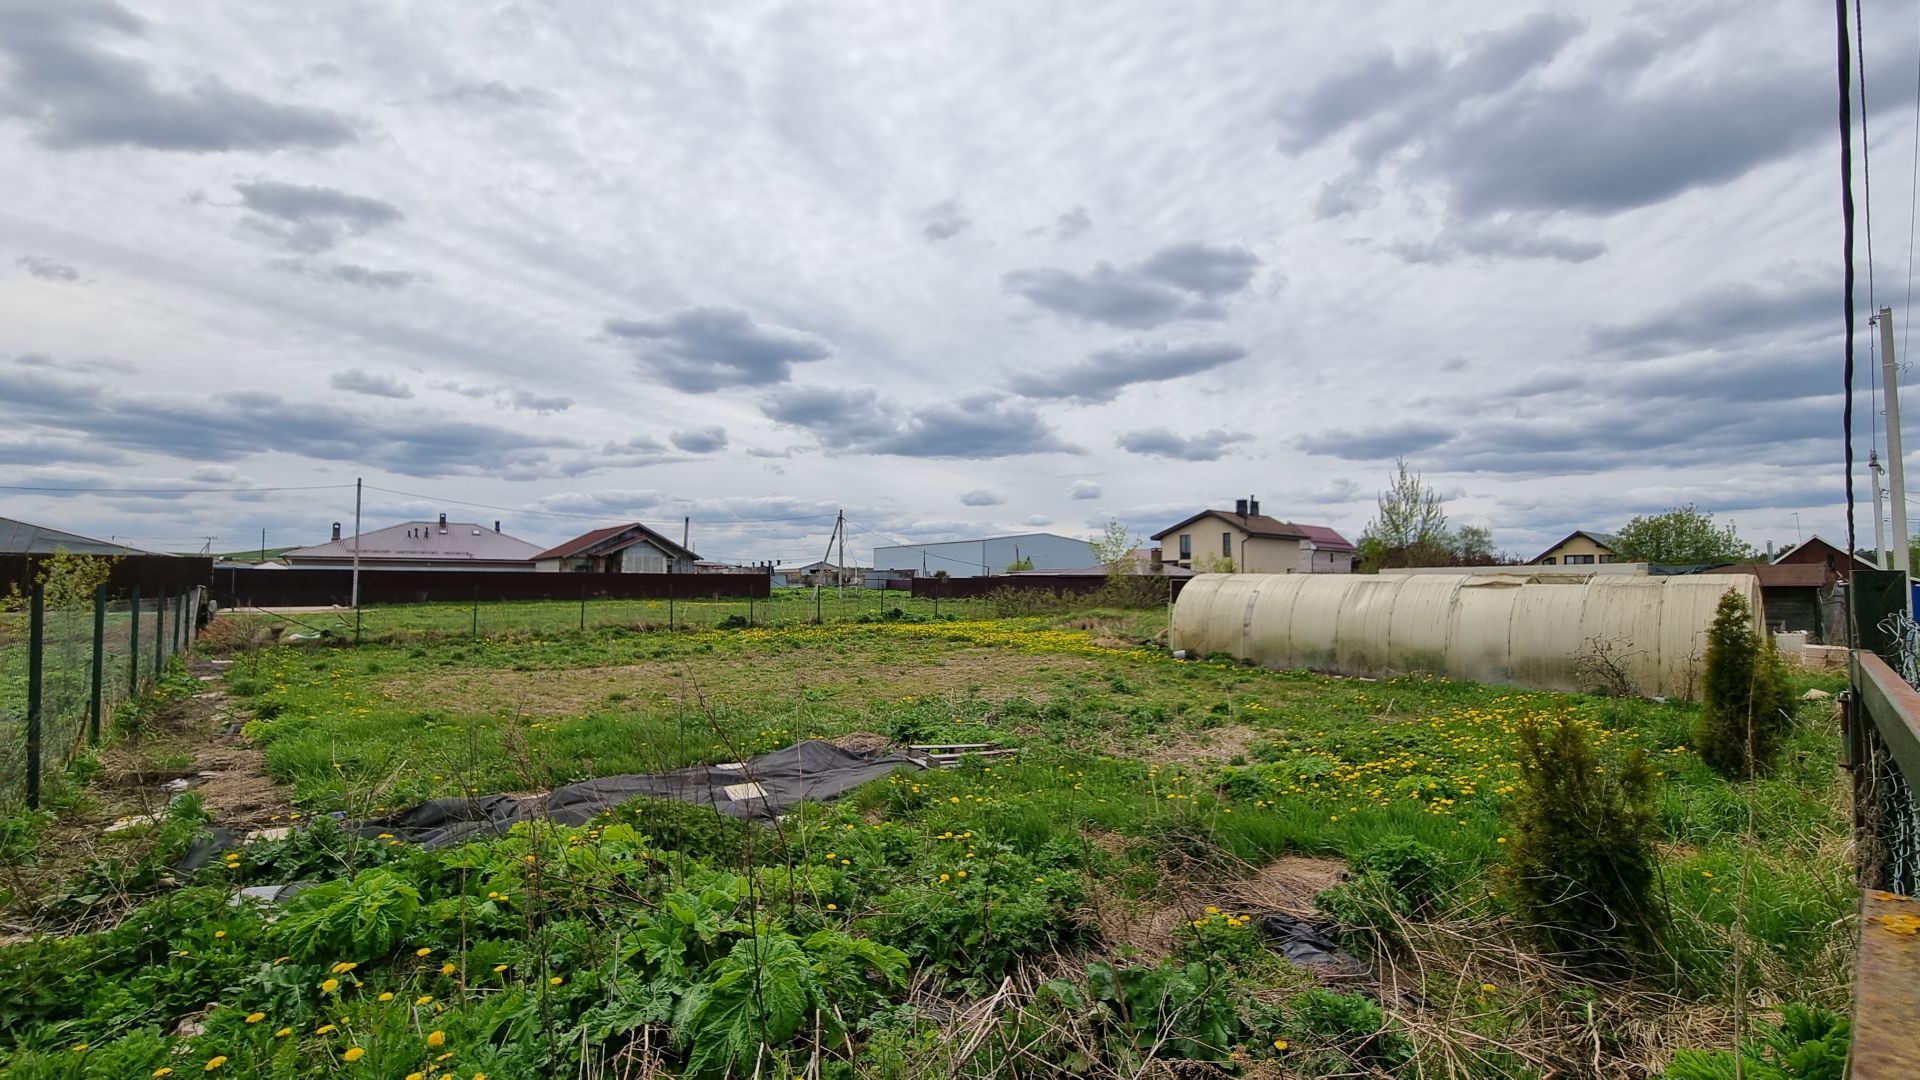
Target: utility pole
263,545
840,526
356,560
686,532
1879,512
1896,466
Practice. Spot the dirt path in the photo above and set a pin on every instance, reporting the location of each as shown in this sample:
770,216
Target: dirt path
188,745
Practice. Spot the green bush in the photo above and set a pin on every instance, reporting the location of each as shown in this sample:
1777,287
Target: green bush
1184,1012
1580,867
1747,703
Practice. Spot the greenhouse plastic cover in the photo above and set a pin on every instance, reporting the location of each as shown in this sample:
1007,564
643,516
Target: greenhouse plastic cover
1519,630
763,788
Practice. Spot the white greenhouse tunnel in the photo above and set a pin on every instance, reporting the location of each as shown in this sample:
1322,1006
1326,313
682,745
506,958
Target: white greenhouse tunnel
1530,631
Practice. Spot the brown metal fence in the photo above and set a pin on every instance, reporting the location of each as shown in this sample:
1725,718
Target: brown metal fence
315,587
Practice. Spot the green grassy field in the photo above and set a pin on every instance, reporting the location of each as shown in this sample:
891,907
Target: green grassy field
1076,909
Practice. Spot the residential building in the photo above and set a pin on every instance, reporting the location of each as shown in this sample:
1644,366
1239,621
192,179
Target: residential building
26,538
818,572
1580,548
618,549
1817,551
1247,541
986,556
422,545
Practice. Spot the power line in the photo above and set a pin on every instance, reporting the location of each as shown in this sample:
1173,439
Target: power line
1846,231
589,517
166,491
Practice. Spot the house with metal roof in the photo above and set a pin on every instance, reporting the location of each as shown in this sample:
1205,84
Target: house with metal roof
1247,541
26,538
618,549
422,545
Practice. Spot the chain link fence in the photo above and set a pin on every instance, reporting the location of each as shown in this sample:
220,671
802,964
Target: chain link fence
1889,816
66,665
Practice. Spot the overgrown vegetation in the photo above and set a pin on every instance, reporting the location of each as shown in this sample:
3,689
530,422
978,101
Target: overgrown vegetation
952,922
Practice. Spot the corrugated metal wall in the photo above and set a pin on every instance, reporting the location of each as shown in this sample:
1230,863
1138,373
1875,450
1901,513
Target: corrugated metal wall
1520,631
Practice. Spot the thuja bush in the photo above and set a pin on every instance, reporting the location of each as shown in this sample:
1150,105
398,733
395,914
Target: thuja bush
1746,706
1580,841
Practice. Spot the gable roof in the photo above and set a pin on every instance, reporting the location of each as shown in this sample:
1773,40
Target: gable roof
1605,540
1252,524
26,538
1816,538
611,539
423,541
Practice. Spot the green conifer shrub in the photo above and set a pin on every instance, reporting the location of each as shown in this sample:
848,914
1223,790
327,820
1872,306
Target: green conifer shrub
1746,706
1580,842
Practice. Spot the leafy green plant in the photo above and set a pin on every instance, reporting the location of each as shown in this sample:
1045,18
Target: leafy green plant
1809,1043
1346,1025
357,919
1580,850
1747,703
1186,1012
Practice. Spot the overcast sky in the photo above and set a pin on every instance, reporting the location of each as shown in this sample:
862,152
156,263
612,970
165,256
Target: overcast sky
959,269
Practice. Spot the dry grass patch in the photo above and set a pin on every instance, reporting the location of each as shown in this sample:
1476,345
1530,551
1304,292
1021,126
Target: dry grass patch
995,674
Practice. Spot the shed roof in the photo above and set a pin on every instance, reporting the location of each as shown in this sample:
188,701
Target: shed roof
25,538
423,541
1780,575
611,539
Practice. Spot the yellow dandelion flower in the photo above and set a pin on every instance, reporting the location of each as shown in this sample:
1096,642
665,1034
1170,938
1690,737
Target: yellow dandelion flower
215,1062
324,1029
1488,988
164,1070
447,968
283,1033
255,1017
555,981
330,986
219,934
1279,1044
422,952
386,996
436,1039
344,966
498,968
833,907
353,1054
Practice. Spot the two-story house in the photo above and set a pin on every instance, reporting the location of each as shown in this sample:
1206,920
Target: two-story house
1247,541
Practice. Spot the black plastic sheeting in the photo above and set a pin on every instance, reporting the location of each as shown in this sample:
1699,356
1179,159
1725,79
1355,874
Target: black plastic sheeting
760,788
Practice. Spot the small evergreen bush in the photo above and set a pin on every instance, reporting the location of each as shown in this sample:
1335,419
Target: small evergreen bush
1580,843
1746,707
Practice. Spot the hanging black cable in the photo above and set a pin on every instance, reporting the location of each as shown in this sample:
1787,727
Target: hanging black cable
1846,245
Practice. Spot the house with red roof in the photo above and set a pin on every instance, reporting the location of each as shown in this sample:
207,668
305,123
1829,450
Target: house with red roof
618,549
1246,541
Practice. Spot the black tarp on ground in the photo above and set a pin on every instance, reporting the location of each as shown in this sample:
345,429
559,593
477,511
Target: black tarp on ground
760,788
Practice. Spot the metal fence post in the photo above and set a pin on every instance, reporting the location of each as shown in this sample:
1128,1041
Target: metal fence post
99,661
133,646
36,647
476,611
160,636
583,604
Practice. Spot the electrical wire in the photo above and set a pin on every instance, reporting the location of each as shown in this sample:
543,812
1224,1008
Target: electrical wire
1846,243
167,491
587,517
1913,213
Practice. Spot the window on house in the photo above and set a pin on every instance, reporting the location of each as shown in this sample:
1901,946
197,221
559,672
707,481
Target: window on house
1608,558
1226,545
1186,545
1548,561
1579,560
